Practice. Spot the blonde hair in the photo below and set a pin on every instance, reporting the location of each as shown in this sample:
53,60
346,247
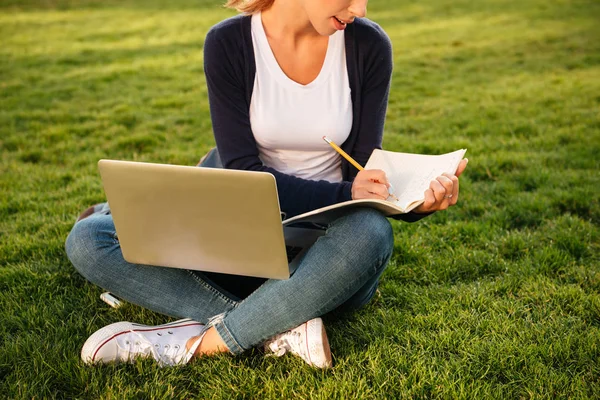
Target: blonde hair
249,6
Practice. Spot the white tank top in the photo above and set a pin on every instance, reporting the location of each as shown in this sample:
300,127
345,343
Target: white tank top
289,120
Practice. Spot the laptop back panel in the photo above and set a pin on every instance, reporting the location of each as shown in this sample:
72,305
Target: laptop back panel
195,218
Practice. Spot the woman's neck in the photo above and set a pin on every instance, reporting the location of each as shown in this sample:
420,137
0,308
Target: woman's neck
288,22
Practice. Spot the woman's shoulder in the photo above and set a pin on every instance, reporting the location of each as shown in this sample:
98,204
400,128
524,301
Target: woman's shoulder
369,33
230,28
370,41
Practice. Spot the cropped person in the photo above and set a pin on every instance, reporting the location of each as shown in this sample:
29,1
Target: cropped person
280,76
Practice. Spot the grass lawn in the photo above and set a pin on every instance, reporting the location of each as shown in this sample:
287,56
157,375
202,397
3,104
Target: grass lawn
496,298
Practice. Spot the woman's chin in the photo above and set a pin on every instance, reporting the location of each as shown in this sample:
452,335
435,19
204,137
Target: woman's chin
326,29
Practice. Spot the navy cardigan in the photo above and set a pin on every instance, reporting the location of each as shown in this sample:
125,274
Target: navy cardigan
230,70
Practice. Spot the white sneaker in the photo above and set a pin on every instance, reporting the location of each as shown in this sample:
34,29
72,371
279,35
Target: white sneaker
124,341
308,341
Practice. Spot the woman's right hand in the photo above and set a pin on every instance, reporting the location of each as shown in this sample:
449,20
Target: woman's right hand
370,184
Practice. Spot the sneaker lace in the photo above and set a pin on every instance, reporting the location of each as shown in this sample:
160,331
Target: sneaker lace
167,355
172,355
290,341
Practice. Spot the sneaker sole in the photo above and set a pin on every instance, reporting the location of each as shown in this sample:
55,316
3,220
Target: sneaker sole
98,339
317,328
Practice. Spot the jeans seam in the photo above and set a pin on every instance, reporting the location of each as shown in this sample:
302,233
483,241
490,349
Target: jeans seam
224,332
232,344
212,289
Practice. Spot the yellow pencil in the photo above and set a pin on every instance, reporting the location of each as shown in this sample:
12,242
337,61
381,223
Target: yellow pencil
343,153
353,161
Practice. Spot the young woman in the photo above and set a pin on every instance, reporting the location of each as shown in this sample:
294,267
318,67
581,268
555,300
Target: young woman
280,77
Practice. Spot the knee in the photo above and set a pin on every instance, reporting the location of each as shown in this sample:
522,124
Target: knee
374,233
363,241
84,244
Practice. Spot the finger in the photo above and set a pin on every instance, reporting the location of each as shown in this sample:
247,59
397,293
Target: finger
360,194
375,196
376,175
372,191
446,183
379,190
439,191
454,193
461,166
429,201
455,187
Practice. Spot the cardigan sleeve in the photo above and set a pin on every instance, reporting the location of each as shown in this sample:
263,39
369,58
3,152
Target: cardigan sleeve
375,57
224,69
375,64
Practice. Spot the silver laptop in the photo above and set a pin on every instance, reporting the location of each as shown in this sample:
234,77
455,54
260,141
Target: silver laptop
205,219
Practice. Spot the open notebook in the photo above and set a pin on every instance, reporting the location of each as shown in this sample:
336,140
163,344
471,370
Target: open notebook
409,174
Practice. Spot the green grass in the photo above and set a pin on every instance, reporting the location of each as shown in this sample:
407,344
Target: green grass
496,298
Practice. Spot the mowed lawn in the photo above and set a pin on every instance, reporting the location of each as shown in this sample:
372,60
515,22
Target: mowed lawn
496,298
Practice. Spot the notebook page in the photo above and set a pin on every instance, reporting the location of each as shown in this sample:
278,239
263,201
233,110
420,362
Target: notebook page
410,174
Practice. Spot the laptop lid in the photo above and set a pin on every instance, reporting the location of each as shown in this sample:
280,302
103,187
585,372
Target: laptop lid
206,219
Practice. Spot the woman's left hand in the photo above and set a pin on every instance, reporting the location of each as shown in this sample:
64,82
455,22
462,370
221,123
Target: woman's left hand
442,192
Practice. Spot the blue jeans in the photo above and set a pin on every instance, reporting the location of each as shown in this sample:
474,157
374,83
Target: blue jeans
339,272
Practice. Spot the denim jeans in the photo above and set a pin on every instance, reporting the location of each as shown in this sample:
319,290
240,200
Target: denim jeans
339,272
